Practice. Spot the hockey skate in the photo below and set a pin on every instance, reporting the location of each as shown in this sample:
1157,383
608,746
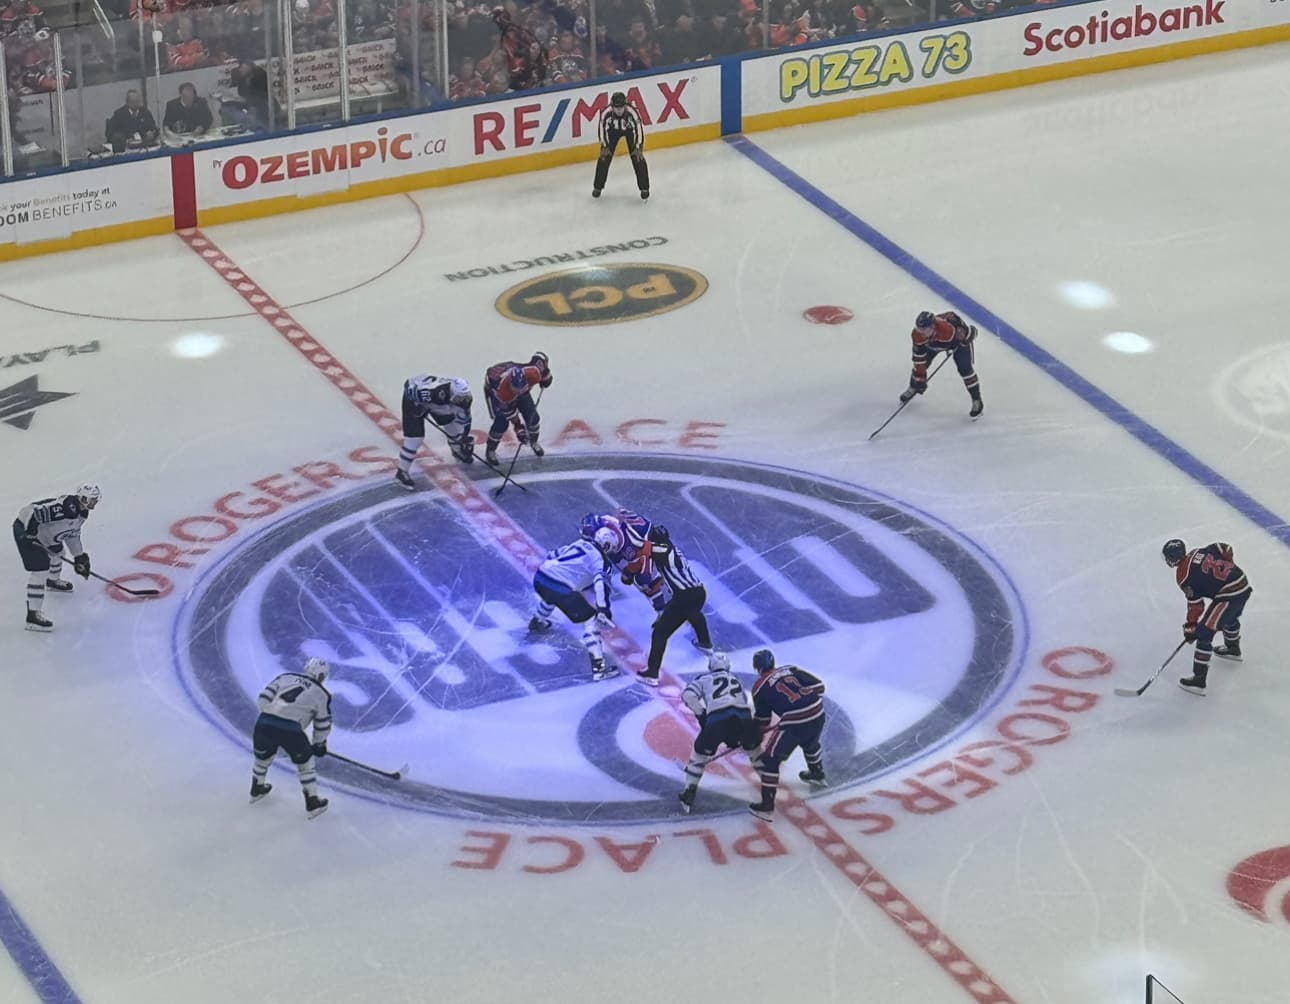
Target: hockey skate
36,621
404,479
595,193
705,649
464,451
648,678
315,806
644,193
763,810
600,670
539,625
58,585
814,777
490,455
1193,684
537,449
978,406
258,790
1232,651
687,798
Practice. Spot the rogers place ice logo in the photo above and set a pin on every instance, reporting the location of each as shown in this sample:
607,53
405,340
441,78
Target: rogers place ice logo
424,619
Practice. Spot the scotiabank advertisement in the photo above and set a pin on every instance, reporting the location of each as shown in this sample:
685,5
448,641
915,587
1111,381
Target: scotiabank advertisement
966,50
335,159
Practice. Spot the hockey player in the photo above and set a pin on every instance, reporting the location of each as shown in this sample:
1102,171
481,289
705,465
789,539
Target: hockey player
42,531
445,401
621,122
1209,573
289,704
630,556
796,699
945,332
508,390
724,711
563,581
685,603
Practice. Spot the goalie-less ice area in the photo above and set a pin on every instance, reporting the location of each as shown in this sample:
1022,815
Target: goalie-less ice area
999,825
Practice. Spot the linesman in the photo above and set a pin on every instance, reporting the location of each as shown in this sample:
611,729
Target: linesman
619,122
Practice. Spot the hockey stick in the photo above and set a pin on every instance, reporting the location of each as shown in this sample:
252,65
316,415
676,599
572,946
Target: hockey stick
1125,692
944,359
103,578
393,775
506,478
493,467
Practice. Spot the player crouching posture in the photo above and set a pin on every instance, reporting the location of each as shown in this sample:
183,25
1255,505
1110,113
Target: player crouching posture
445,401
621,122
724,711
41,531
1209,573
945,332
796,698
508,390
562,581
288,705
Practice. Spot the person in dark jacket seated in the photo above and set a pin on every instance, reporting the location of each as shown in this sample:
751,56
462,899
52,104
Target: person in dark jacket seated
131,126
187,115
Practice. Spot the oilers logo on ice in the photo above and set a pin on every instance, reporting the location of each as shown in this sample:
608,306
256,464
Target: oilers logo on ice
423,616
601,294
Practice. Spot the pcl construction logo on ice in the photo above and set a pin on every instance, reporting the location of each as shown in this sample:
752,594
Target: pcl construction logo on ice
556,120
422,610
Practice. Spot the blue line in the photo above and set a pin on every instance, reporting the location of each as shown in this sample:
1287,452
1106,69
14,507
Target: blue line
1139,428
39,968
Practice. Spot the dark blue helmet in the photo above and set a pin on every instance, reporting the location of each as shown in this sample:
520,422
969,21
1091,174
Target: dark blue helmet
763,660
1174,551
589,525
925,320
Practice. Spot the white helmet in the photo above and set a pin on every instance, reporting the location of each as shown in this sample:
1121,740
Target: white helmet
461,392
608,540
316,670
89,495
718,662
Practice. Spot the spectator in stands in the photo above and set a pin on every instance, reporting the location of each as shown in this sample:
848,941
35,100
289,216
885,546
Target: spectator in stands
568,64
132,125
525,57
184,50
469,34
467,83
22,18
722,36
617,16
499,82
251,110
643,52
681,43
187,115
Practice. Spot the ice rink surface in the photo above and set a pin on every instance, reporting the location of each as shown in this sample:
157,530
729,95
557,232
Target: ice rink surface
1000,826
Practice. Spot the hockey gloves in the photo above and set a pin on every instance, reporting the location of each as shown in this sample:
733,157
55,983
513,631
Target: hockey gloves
320,749
81,565
1189,632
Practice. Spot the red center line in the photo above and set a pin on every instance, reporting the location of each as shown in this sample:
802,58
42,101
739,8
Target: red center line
526,555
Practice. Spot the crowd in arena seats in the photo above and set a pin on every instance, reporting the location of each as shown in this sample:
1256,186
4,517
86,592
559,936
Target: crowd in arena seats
28,49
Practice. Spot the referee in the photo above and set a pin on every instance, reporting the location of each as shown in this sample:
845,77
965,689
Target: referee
686,604
618,122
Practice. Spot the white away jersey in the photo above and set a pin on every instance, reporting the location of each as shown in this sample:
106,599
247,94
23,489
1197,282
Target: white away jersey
55,522
715,690
579,566
433,396
299,699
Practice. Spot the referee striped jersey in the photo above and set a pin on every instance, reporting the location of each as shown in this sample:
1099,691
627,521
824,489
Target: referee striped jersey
628,125
671,564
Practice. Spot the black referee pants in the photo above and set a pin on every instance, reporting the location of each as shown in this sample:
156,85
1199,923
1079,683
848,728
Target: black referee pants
685,605
607,156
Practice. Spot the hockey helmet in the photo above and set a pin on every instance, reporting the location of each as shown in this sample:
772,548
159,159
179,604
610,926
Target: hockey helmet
589,525
718,662
763,660
658,535
608,540
541,360
618,100
316,670
1174,551
925,321
88,495
461,392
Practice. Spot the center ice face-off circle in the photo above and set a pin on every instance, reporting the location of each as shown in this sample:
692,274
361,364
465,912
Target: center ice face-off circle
423,618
